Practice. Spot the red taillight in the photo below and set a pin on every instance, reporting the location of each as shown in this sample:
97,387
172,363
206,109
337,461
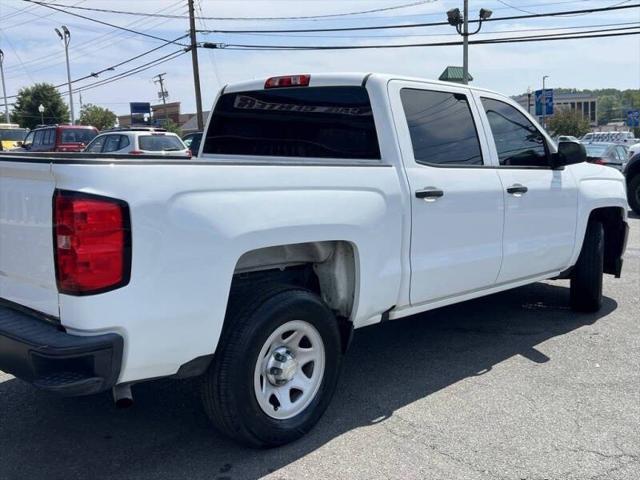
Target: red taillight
599,161
92,243
136,152
288,81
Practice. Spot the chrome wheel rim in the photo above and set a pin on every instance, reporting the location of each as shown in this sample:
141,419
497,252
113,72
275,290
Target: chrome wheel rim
289,370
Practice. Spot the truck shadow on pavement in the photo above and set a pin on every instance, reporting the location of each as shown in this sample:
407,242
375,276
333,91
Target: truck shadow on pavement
166,435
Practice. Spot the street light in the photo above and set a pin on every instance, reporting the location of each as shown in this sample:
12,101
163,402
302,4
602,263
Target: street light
65,36
4,89
544,102
41,110
461,22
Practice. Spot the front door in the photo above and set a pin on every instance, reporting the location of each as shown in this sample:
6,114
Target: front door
540,203
456,195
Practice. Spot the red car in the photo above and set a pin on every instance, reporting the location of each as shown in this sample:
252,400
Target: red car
59,138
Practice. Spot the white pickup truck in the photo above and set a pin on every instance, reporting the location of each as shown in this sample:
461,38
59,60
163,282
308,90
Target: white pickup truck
318,204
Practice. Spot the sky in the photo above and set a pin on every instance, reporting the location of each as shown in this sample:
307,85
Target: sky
33,52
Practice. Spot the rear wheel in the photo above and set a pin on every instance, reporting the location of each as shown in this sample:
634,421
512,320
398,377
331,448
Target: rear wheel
276,367
633,194
586,277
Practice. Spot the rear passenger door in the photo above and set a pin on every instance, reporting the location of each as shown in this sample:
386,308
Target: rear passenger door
456,195
540,202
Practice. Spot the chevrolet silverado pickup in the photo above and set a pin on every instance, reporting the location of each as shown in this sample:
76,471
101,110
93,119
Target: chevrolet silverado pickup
318,204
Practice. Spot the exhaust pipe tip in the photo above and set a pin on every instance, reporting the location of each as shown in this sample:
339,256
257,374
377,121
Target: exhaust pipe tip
122,396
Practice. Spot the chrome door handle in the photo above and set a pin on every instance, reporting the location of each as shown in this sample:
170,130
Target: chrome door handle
429,194
517,190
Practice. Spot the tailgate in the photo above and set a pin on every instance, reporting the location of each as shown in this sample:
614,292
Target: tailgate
27,274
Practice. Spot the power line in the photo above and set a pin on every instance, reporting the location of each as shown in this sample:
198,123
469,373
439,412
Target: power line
533,13
430,24
47,5
305,17
404,35
128,60
89,47
532,38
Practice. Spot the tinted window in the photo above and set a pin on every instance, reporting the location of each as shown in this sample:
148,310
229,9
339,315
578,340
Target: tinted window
596,150
111,143
77,135
37,139
160,143
321,122
14,134
28,139
124,141
441,128
50,137
193,142
96,145
518,141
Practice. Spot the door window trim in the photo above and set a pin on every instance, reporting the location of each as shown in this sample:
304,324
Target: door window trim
402,129
550,147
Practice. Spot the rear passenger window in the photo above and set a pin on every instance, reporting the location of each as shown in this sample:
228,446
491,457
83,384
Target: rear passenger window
111,143
124,142
442,129
308,122
518,142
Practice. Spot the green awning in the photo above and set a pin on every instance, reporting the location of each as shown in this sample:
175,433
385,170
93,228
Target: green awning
454,74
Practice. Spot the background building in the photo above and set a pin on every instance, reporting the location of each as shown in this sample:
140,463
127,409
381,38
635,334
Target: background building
583,103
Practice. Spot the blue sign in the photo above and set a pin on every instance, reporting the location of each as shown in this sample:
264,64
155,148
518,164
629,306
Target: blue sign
140,108
633,118
548,100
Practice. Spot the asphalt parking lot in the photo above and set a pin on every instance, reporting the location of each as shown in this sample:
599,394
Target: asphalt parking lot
512,386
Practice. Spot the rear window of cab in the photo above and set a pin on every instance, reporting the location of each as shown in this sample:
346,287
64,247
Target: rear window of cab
308,122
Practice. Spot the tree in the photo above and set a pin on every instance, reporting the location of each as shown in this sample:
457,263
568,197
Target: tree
172,126
25,112
568,122
96,116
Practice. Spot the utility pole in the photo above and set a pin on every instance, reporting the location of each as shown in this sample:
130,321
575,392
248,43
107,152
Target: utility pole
544,102
163,93
194,60
529,100
461,22
66,38
465,44
4,89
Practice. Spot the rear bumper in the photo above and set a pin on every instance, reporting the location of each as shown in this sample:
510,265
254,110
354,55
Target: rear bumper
51,359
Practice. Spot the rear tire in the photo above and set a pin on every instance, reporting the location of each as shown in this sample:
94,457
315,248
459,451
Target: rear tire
586,277
242,397
633,194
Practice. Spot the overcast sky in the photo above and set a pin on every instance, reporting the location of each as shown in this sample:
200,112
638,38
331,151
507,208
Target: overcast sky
33,52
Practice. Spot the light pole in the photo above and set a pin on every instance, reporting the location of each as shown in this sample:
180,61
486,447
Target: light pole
461,22
4,89
66,38
544,102
41,110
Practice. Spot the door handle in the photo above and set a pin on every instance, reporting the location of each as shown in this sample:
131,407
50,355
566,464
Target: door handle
517,190
429,194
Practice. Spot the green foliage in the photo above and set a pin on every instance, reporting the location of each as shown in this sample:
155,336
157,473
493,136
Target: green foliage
172,126
567,122
25,112
96,116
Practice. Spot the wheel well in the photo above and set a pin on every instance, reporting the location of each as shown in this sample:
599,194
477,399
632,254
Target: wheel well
327,268
633,170
612,219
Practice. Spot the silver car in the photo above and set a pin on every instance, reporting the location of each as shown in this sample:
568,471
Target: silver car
139,141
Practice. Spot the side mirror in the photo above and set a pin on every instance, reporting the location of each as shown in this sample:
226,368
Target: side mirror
569,153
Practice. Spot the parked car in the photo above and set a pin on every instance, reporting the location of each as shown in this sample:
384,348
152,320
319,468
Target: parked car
58,138
11,136
139,141
620,138
324,203
566,138
609,154
633,149
192,141
632,174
